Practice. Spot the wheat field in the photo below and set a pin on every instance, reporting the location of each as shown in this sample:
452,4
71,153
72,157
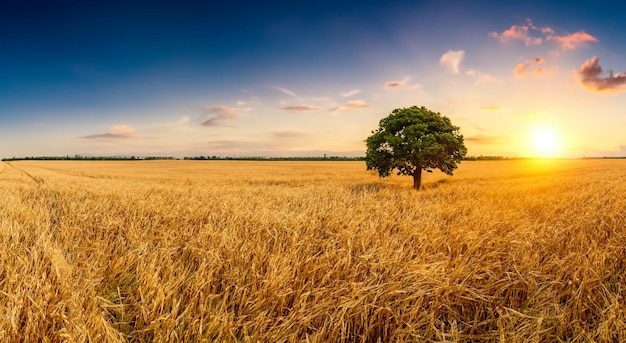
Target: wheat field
234,251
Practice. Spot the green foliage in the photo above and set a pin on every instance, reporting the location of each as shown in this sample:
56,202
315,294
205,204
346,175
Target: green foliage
412,139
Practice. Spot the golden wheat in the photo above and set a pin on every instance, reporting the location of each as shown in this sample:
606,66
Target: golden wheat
193,251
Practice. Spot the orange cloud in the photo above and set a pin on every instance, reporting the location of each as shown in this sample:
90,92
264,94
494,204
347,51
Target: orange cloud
589,76
301,108
351,105
400,84
526,68
288,134
486,139
518,33
572,41
394,84
522,32
490,108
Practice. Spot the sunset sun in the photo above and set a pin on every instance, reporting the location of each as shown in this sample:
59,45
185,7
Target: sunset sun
545,142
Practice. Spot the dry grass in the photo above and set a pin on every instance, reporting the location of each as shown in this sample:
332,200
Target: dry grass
319,252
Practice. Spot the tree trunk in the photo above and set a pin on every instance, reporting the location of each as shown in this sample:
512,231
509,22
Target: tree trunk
417,178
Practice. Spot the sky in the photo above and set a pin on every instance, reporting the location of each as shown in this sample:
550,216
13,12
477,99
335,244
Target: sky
273,78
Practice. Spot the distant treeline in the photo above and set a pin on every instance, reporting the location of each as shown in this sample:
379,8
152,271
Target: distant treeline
490,158
198,158
331,158
604,158
222,158
87,158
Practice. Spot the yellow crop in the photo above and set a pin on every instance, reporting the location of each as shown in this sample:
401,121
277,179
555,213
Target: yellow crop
225,251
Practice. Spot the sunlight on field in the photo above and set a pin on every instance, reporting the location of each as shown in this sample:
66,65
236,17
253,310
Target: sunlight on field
319,251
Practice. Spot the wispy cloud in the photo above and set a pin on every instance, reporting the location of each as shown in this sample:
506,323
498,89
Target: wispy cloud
393,84
285,91
480,77
590,77
485,139
288,134
180,125
491,108
451,60
533,35
351,92
401,84
120,131
216,116
300,108
351,105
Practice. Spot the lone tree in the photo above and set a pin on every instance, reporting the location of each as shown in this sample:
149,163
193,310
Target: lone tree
412,139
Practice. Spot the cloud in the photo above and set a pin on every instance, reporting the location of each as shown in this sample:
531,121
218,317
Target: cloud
215,116
622,147
285,90
518,33
491,108
351,105
393,84
485,139
301,108
544,34
484,78
401,84
180,125
351,92
522,69
532,68
589,77
451,60
120,131
480,77
572,41
288,134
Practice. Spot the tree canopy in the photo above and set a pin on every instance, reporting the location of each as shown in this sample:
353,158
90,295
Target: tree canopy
413,139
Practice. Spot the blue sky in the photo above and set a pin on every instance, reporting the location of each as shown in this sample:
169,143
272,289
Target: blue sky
304,79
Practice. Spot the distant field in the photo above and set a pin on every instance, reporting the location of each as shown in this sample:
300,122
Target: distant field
224,251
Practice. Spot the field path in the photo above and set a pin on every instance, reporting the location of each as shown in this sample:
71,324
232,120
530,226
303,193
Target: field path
38,180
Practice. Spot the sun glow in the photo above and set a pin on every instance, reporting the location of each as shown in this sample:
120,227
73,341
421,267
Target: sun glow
545,142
